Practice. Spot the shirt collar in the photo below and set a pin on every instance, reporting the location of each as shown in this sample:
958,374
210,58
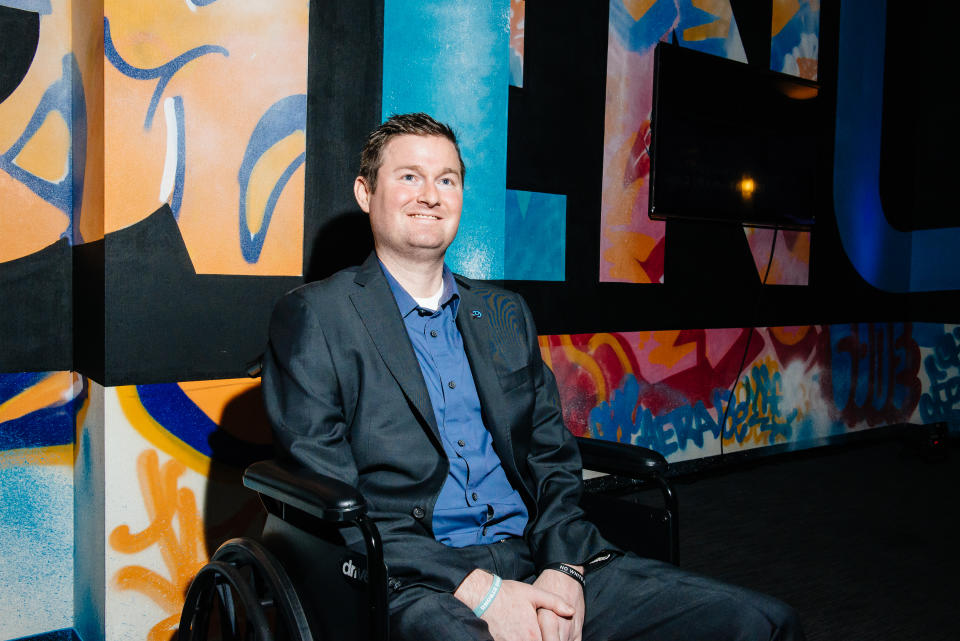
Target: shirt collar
406,302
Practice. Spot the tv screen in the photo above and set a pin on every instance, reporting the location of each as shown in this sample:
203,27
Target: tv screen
732,142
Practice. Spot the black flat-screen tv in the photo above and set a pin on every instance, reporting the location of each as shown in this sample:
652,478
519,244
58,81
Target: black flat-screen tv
732,142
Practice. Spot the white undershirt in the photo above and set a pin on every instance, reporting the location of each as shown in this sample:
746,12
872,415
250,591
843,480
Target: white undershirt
431,302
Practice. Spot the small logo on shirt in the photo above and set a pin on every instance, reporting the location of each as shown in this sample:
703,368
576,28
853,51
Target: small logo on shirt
476,313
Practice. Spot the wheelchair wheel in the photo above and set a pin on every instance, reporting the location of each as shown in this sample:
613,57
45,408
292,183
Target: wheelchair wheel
243,594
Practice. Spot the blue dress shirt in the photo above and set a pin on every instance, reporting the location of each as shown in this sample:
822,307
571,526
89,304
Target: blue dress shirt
477,504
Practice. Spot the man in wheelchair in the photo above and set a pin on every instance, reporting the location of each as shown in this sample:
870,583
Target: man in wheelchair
427,392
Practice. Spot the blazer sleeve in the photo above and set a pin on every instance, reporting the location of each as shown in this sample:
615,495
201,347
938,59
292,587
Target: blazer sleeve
311,414
560,533
302,395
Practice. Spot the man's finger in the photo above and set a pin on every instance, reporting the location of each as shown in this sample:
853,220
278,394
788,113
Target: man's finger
549,625
550,601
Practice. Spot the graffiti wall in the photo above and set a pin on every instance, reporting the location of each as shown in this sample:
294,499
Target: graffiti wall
186,127
631,245
174,493
37,418
153,161
44,125
685,393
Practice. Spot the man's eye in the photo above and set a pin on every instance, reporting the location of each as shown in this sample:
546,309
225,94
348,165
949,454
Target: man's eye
408,177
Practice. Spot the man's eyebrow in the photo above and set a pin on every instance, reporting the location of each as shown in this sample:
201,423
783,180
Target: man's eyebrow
418,168
409,167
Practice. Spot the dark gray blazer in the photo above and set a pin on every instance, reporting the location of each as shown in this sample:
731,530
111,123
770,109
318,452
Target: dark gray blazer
346,398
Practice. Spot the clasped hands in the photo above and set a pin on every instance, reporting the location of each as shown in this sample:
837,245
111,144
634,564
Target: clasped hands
549,610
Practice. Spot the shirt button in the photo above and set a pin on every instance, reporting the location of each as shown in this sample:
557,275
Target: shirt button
474,496
461,443
452,384
433,333
418,512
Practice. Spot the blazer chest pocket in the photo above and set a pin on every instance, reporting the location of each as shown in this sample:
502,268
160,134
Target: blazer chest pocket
516,378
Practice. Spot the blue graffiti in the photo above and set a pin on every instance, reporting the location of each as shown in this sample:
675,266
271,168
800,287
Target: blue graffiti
37,6
283,118
163,74
759,414
758,417
805,22
667,433
643,34
873,369
66,97
45,426
942,402
170,406
181,171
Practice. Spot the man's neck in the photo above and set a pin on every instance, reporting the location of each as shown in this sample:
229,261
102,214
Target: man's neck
420,278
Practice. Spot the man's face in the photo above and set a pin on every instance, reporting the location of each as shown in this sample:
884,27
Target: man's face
415,210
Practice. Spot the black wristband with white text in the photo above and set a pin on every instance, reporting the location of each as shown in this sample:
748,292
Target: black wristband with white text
569,570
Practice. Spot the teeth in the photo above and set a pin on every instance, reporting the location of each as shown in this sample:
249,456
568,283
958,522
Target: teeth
425,216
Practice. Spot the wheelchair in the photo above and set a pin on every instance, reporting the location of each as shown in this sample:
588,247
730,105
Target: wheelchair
299,581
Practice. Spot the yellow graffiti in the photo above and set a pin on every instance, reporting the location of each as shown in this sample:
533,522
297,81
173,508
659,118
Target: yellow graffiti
183,554
267,172
49,455
157,434
718,28
587,362
607,339
544,343
638,8
783,11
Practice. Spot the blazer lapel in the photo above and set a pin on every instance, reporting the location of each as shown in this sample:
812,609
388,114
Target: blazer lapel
377,308
480,347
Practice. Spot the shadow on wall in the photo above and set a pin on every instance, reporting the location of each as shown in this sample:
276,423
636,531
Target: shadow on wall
345,240
244,437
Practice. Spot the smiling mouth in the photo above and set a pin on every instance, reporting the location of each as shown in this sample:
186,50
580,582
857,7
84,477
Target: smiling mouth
424,216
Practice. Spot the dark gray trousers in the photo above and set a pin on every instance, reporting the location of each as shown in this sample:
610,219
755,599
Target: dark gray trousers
629,599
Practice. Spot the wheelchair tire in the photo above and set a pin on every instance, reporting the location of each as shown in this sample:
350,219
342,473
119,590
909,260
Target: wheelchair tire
243,579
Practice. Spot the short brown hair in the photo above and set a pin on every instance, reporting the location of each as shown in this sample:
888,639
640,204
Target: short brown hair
416,124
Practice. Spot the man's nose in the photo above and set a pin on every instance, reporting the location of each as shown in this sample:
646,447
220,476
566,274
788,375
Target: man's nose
429,194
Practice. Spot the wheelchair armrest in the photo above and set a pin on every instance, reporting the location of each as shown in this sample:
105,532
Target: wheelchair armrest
291,484
621,459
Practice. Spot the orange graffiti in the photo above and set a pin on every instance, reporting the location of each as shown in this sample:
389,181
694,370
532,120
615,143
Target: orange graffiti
717,28
182,554
55,389
669,352
790,335
517,15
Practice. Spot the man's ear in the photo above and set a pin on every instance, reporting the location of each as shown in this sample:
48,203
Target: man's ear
361,192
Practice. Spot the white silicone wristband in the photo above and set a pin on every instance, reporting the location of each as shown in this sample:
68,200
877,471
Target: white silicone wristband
488,597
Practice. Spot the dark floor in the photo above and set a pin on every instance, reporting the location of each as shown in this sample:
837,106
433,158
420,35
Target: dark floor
863,540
